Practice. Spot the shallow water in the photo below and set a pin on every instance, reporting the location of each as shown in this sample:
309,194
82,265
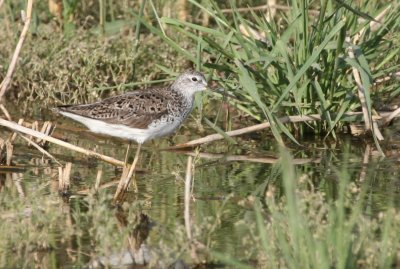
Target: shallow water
43,229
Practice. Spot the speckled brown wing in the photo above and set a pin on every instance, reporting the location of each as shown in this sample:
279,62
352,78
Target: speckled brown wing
135,109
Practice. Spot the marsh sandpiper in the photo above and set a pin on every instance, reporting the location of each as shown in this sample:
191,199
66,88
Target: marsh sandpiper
140,115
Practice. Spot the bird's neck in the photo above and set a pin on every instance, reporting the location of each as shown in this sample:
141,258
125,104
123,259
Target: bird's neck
187,96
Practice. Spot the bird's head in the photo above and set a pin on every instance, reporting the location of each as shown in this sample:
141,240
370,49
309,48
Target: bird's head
190,82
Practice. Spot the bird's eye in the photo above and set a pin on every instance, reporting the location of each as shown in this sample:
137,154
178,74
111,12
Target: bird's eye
194,79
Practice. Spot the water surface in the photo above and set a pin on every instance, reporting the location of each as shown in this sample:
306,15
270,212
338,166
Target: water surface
42,228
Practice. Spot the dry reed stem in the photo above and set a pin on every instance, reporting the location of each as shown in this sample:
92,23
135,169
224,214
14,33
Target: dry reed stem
6,82
16,178
363,172
11,169
361,90
188,181
369,124
9,152
14,134
265,125
47,129
98,180
5,112
373,25
126,180
64,178
42,150
35,127
127,153
376,131
16,127
392,115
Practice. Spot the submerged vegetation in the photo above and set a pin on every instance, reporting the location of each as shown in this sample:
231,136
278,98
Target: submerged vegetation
300,68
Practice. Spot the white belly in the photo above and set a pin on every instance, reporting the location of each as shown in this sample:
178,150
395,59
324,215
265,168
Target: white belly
119,130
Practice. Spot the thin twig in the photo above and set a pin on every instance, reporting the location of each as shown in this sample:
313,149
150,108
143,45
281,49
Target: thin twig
265,125
6,82
391,116
5,111
16,127
42,150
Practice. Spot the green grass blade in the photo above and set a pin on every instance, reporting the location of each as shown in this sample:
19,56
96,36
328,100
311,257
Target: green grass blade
166,39
218,15
355,11
324,106
157,17
250,86
203,29
308,63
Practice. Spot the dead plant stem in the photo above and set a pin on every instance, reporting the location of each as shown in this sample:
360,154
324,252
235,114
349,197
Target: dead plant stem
42,150
6,82
188,181
16,127
265,125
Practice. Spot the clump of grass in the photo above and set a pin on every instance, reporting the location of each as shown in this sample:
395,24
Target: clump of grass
82,65
297,63
70,71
